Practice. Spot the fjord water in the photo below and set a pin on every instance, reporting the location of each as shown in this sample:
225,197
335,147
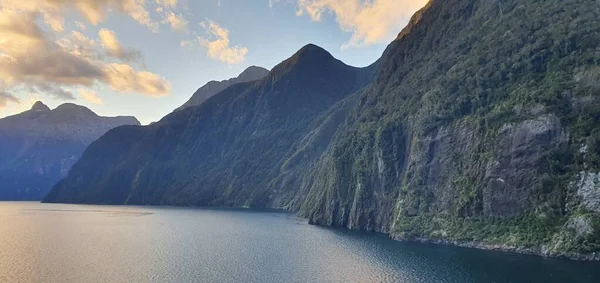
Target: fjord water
76,243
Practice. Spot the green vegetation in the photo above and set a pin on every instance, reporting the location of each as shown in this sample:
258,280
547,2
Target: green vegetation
494,101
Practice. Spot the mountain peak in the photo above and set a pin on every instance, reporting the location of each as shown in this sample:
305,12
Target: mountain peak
309,59
312,46
39,106
312,50
70,108
252,73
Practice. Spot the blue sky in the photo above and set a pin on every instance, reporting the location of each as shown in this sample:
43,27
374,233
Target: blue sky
146,57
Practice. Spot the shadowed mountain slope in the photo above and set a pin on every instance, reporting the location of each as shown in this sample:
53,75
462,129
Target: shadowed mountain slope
252,73
39,146
225,151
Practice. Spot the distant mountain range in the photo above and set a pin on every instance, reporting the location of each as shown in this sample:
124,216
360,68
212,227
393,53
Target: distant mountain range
479,126
252,73
39,146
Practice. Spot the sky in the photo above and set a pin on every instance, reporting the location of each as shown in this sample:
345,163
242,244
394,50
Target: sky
147,57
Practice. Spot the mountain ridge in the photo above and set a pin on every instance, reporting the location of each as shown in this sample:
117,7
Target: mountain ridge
38,146
268,115
211,88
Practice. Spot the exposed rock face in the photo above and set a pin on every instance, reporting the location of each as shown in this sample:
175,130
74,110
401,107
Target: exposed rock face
581,226
588,189
443,165
39,146
456,142
252,73
515,170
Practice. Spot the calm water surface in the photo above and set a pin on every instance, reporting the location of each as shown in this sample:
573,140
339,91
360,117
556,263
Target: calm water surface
75,243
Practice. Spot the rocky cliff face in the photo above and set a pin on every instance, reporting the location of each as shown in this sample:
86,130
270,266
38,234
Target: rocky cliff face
39,146
252,73
474,132
479,128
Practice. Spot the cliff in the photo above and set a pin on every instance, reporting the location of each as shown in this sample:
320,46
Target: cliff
480,129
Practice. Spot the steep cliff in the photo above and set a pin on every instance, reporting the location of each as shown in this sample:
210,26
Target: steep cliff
478,130
39,146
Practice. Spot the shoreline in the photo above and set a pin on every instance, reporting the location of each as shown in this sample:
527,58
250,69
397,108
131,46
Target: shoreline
593,257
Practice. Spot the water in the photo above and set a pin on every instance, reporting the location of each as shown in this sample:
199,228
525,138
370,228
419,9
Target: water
74,243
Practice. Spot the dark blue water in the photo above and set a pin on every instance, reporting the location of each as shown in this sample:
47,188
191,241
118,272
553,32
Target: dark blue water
70,243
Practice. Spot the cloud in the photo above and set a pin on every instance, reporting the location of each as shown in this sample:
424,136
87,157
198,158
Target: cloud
77,44
177,21
137,10
30,58
113,47
218,48
90,96
111,43
123,78
55,91
6,97
369,21
94,11
167,3
54,21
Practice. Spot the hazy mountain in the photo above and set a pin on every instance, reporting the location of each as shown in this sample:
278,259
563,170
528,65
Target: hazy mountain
38,146
252,73
481,127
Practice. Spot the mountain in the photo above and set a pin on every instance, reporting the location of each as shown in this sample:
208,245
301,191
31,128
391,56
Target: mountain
480,129
38,146
224,152
252,73
478,126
